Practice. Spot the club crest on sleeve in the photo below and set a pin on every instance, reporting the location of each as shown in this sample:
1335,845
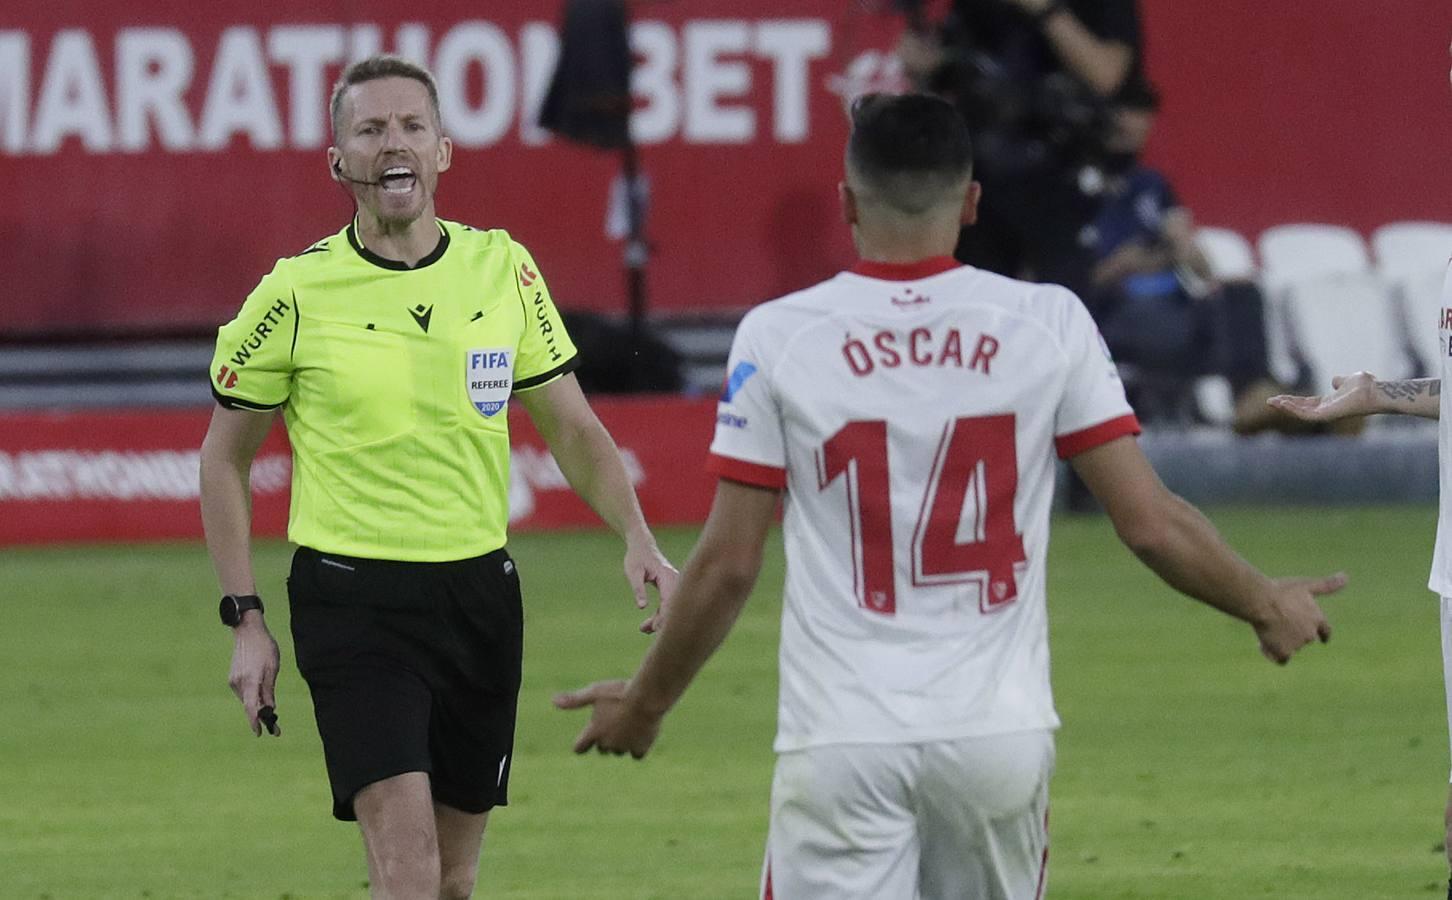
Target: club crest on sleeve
738,378
489,376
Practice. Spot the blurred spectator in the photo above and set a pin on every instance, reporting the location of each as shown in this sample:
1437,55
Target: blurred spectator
1032,78
1159,306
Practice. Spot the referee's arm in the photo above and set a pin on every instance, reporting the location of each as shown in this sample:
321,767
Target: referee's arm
591,462
232,441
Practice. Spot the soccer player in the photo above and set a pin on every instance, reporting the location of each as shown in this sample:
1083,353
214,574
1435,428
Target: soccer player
1361,394
911,409
393,349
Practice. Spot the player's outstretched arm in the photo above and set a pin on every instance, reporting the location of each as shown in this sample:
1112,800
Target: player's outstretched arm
713,589
591,462
1362,395
1174,539
232,441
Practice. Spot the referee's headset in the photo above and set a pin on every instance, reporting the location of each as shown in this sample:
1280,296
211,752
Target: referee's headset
338,171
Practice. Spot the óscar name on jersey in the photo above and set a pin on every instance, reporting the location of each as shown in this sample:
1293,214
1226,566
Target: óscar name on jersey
261,332
921,347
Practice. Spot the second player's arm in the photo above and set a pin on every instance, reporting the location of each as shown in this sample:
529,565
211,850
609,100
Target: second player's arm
1179,544
1362,395
591,463
713,589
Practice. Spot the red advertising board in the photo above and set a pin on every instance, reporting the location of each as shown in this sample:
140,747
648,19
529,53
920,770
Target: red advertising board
164,153
132,475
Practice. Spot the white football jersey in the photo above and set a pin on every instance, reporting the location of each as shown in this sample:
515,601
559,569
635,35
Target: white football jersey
1441,580
912,413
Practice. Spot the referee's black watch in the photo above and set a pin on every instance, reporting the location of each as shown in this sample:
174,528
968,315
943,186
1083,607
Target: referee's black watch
234,605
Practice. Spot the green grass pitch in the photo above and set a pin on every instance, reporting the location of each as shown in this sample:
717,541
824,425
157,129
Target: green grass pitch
1189,768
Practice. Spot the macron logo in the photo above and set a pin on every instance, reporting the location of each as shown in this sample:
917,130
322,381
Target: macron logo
739,376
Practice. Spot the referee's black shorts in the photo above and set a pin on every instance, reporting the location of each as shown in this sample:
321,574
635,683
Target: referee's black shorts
413,667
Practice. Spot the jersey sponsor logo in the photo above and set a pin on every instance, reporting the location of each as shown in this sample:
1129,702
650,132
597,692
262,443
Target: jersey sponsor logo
731,420
489,374
546,327
526,277
263,330
422,316
910,299
226,377
737,380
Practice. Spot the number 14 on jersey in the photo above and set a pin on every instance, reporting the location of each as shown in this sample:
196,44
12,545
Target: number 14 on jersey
965,530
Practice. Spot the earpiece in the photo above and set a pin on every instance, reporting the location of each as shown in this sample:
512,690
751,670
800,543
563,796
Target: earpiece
338,167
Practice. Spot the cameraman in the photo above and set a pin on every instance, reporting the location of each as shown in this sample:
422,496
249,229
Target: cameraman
1033,79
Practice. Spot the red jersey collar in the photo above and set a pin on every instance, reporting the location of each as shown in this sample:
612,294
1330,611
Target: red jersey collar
933,265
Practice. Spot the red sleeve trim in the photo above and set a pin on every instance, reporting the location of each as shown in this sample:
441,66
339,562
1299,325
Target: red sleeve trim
1077,442
754,474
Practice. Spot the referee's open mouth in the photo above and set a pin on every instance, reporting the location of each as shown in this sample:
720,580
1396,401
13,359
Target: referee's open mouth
397,180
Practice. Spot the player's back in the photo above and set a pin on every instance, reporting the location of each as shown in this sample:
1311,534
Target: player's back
913,413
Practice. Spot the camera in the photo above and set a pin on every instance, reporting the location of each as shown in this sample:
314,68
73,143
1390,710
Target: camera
1021,116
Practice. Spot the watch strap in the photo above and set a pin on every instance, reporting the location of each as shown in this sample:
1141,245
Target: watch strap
238,605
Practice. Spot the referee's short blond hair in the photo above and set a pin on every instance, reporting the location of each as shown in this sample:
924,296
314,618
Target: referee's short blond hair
382,65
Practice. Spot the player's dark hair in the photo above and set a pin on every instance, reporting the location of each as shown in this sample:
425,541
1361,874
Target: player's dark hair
383,65
908,150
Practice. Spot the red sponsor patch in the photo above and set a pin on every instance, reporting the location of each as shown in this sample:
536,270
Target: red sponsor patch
526,277
226,377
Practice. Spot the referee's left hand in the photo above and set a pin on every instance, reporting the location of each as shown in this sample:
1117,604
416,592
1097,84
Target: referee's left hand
645,564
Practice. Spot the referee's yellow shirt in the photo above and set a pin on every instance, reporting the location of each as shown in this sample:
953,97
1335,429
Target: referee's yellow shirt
394,383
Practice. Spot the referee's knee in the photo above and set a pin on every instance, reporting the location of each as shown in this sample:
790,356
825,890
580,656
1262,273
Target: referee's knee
457,881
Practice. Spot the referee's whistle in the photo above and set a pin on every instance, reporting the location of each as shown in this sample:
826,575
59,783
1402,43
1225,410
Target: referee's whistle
268,717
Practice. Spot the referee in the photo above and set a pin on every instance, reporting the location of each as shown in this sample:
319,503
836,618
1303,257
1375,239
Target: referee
392,349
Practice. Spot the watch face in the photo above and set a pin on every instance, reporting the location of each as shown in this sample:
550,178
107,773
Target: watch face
229,612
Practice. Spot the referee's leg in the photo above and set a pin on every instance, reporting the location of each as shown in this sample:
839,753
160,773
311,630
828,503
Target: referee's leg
460,835
396,816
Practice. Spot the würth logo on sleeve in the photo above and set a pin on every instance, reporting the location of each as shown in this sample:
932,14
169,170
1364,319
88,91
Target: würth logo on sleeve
265,327
226,377
526,277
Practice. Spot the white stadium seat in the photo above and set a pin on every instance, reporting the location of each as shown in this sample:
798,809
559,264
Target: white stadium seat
1413,257
1343,322
1420,297
1409,248
1290,253
1230,255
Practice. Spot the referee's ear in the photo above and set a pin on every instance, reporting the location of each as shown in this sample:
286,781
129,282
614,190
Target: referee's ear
446,154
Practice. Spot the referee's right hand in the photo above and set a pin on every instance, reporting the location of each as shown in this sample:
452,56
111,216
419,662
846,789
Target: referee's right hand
255,662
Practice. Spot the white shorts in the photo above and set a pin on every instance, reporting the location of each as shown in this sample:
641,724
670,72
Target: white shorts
1447,661
935,821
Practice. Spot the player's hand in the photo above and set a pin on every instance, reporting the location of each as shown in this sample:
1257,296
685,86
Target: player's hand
645,564
616,726
1351,395
1294,618
254,669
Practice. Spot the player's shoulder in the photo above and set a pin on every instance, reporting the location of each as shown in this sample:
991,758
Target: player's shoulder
781,317
1050,303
